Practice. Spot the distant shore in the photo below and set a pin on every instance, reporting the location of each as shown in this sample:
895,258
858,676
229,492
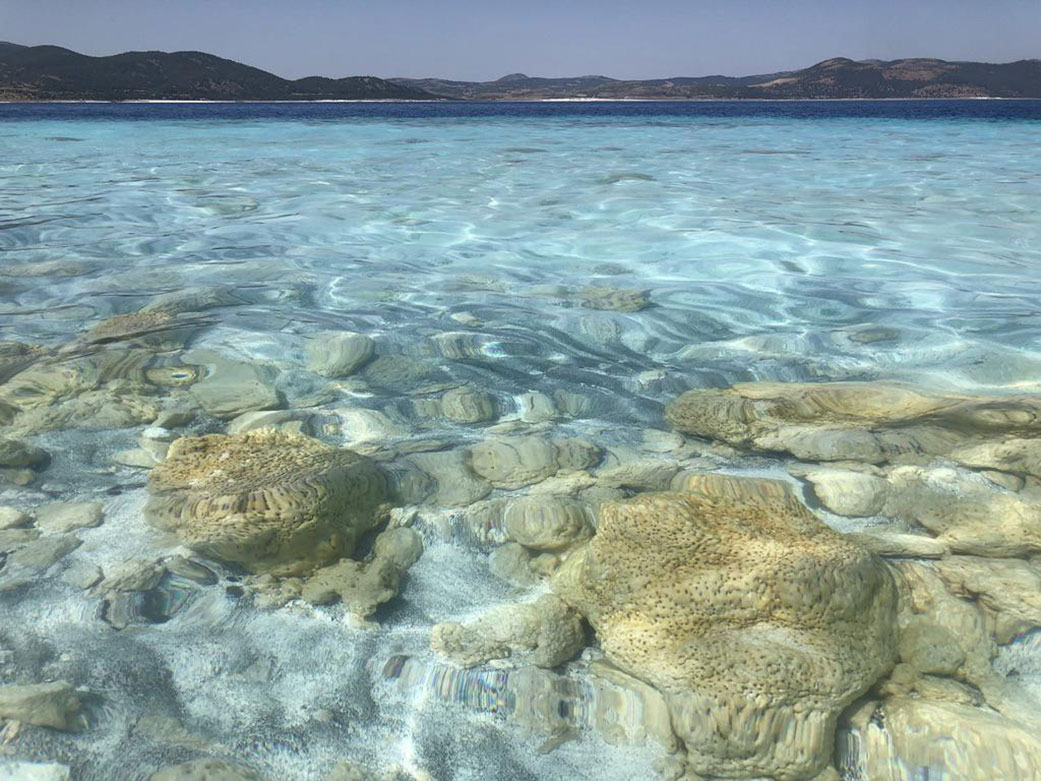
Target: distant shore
163,101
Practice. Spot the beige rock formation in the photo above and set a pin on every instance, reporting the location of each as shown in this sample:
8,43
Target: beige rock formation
545,633
757,622
964,510
154,330
12,518
52,705
266,499
338,353
459,405
362,586
229,388
939,627
516,462
849,493
868,422
448,481
916,738
1008,589
62,517
107,389
546,523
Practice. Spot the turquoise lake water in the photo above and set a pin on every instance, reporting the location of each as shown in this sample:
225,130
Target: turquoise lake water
581,264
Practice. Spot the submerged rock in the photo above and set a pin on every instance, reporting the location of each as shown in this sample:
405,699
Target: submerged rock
930,648
230,388
515,462
545,633
46,382
48,268
512,563
848,421
1009,589
362,586
965,511
148,591
1019,456
856,494
41,554
460,405
35,771
154,602
453,484
536,407
338,353
15,454
546,523
913,738
155,330
402,374
290,420
266,499
619,708
61,517
757,622
368,425
82,575
104,390
193,299
13,539
52,705
12,518
892,543
966,634
614,299
207,769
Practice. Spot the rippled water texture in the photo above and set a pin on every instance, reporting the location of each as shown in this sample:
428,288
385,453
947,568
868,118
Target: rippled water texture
565,270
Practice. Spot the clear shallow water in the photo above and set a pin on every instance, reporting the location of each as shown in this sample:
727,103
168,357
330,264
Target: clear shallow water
787,242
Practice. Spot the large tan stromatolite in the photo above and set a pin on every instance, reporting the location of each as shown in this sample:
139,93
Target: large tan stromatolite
873,422
757,622
268,500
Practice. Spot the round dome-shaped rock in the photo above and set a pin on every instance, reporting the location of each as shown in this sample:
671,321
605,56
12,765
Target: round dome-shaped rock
468,405
757,622
268,500
547,523
514,462
338,353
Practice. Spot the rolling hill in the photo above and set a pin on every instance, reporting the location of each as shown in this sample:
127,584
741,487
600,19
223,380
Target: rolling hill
54,73
832,79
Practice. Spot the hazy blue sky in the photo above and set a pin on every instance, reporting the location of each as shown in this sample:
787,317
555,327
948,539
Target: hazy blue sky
467,39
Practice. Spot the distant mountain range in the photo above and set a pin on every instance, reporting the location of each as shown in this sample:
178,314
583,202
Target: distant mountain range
54,73
836,78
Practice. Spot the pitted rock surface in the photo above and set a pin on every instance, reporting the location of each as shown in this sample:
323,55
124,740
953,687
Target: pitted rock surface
757,621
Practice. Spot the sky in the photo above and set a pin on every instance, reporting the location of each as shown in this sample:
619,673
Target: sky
471,40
